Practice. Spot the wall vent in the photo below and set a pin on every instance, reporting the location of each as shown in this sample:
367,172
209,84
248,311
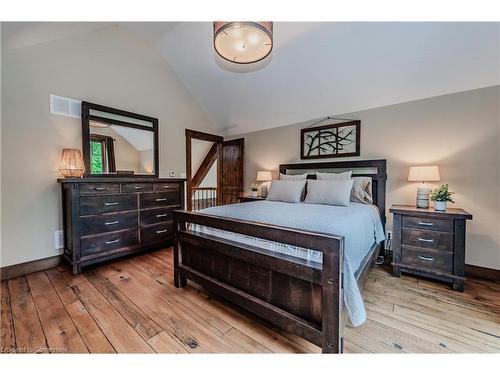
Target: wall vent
60,105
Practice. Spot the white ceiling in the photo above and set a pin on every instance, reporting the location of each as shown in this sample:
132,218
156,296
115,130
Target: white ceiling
315,69
320,69
141,140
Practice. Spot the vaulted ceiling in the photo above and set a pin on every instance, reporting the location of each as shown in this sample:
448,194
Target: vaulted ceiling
320,69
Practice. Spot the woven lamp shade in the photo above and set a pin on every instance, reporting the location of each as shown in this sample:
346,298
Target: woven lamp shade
72,163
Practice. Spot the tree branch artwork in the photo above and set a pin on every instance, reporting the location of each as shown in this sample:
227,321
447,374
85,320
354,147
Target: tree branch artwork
330,141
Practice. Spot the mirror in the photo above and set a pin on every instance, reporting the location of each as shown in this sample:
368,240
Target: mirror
118,143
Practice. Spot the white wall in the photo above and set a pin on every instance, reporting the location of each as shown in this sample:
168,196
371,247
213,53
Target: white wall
108,66
458,132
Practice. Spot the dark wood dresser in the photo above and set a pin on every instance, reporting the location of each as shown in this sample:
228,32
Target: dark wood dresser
105,218
430,243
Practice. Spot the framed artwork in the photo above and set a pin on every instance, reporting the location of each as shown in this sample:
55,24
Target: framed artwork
331,141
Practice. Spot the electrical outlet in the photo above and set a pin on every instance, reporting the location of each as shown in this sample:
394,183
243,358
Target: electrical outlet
172,173
58,239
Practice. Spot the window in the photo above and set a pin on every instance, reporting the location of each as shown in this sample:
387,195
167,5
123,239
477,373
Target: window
102,154
96,156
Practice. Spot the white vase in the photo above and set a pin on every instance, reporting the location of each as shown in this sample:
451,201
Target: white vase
440,206
253,193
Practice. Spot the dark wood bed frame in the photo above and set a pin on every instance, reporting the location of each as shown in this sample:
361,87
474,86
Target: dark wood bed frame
299,296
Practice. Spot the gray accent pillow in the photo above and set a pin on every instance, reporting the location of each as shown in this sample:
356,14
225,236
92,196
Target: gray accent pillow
286,191
334,176
362,190
331,192
293,177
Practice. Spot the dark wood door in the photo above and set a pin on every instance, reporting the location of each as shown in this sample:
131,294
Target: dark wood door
232,171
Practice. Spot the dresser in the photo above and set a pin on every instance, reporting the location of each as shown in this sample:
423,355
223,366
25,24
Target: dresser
430,243
106,218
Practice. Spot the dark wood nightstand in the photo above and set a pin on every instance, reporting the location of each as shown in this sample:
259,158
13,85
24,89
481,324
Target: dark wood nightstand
429,243
248,198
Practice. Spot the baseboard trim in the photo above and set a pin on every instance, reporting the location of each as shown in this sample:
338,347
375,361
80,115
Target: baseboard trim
9,272
478,272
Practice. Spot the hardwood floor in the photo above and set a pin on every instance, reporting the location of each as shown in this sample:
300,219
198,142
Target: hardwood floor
131,306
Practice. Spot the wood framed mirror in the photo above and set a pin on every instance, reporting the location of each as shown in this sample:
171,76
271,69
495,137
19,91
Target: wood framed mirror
118,143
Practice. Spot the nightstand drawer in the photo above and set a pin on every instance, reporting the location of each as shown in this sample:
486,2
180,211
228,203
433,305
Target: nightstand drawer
427,259
428,223
427,239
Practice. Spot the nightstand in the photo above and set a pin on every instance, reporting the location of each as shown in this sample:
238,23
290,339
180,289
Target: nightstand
429,243
248,198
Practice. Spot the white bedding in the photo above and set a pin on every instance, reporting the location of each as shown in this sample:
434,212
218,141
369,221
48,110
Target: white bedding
359,224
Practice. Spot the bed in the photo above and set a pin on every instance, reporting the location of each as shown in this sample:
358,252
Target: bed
286,262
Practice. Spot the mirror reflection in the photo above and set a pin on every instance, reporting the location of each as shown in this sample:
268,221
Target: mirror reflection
116,149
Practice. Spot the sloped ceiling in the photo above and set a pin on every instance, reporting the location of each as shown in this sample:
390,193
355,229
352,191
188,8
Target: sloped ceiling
315,69
320,69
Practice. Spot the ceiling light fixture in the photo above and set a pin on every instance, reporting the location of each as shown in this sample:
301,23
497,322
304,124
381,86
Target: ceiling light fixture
243,42
97,124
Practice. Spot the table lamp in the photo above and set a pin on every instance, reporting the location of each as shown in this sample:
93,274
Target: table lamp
423,174
72,163
264,176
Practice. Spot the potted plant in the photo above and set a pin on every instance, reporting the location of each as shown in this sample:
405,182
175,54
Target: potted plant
254,188
441,196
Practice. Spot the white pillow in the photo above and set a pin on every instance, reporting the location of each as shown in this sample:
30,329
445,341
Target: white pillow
334,176
293,177
362,190
332,192
286,191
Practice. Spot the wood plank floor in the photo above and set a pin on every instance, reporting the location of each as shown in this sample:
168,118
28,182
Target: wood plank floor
131,306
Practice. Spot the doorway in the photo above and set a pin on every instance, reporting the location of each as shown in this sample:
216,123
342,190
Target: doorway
214,170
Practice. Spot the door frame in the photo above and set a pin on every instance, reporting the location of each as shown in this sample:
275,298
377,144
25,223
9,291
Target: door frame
217,139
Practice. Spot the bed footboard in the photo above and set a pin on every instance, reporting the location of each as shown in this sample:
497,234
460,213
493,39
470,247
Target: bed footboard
299,296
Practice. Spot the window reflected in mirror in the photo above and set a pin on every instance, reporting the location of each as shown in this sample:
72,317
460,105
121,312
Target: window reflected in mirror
116,149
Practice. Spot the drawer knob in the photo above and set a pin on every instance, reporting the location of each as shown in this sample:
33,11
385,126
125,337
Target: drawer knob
100,188
110,203
161,215
425,223
425,240
111,222
138,187
428,259
161,231
114,241
161,199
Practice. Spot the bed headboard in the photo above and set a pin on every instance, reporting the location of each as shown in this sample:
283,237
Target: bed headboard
376,169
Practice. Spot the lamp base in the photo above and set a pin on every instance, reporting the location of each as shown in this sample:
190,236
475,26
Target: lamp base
263,190
422,197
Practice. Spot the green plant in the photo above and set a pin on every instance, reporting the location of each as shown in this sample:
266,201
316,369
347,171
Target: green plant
441,194
254,187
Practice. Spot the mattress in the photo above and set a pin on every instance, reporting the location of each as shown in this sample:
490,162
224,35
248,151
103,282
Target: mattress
360,225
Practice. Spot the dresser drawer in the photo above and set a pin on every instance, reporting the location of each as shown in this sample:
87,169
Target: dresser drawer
428,239
108,223
157,215
157,233
427,259
137,187
99,188
107,203
152,200
430,224
166,186
109,241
